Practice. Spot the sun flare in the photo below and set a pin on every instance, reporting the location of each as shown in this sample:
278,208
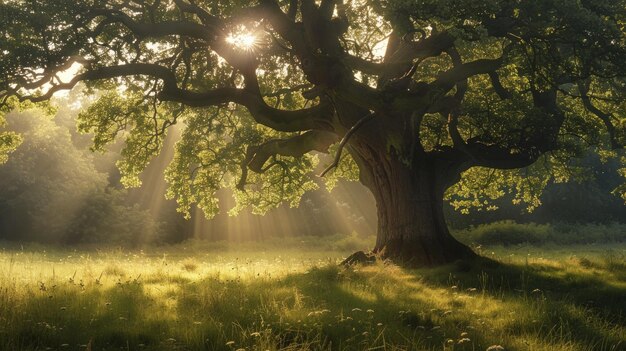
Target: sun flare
244,41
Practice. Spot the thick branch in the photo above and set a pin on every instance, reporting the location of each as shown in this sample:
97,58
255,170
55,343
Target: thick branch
605,117
204,16
522,154
155,30
317,117
498,87
398,62
494,156
297,146
212,31
448,79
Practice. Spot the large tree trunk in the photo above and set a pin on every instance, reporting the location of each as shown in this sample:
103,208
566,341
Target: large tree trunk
411,226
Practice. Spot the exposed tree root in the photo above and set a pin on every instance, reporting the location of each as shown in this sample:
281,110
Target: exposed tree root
359,257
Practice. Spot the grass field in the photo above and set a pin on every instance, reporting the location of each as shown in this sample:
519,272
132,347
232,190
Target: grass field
203,297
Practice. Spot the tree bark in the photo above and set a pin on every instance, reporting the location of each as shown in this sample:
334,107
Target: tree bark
411,225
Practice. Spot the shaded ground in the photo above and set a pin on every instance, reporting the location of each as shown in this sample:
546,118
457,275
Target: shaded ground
533,299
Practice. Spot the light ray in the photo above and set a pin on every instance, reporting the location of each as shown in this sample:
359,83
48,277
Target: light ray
243,39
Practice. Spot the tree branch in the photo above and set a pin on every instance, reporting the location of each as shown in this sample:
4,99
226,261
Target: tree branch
154,30
498,87
525,152
296,146
345,140
316,118
583,88
398,62
448,79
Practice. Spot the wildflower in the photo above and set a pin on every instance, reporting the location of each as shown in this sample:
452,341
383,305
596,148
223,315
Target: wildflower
464,340
230,343
255,334
356,310
370,311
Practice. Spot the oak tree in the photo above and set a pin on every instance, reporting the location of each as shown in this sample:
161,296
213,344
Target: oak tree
408,94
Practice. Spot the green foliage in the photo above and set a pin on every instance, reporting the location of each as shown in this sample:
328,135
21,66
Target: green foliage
480,186
621,190
511,233
203,158
46,178
51,191
507,233
286,181
107,218
144,123
211,154
8,142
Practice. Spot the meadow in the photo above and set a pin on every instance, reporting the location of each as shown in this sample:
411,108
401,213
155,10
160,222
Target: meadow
293,295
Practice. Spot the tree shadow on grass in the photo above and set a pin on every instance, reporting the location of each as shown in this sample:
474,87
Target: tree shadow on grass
457,307
582,305
595,288
384,305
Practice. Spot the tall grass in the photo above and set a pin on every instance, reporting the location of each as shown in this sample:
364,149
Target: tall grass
232,298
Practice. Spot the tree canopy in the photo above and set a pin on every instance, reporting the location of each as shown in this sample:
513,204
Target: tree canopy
402,87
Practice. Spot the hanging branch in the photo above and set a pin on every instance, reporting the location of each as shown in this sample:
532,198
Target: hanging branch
345,140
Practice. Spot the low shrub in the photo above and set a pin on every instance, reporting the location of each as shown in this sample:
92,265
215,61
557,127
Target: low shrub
508,233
